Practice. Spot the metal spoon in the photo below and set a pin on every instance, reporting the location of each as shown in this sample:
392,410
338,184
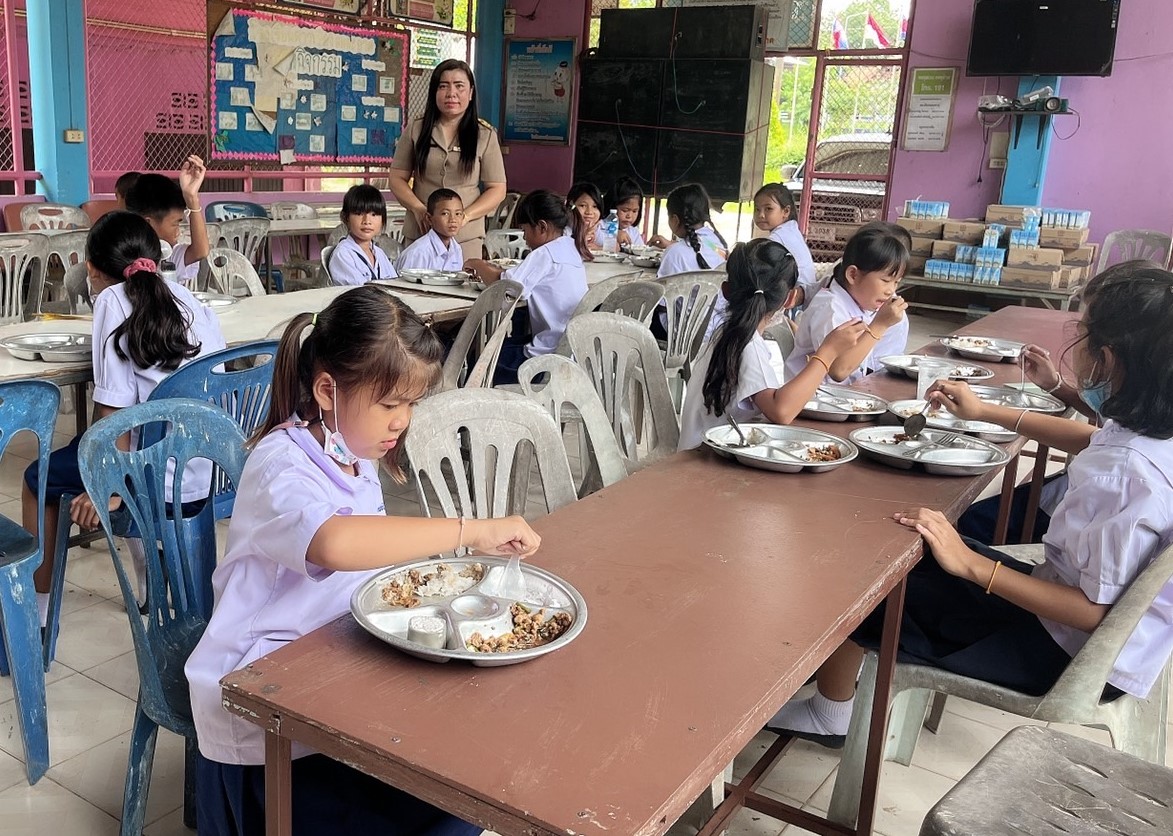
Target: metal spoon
915,424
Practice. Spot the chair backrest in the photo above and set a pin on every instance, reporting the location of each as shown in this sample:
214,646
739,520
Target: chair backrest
179,577
77,291
22,270
213,230
783,334
53,216
1079,688
239,380
593,298
491,311
621,358
95,209
688,301
228,270
229,210
556,382
327,253
637,300
31,405
336,234
503,215
472,451
390,245
69,247
1130,244
291,211
12,214
825,273
506,243
245,235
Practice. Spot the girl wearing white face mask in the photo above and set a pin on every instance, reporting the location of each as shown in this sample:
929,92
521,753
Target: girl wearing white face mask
977,612
308,528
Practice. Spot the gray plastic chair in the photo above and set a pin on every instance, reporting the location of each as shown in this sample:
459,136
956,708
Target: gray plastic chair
506,243
53,216
782,334
565,391
336,234
77,291
1136,726
290,210
474,450
231,273
65,250
688,303
297,254
489,314
22,254
637,299
245,235
594,297
503,215
327,252
622,360
1128,245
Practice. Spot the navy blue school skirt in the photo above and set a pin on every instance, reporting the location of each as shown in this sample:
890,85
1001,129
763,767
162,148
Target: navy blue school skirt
329,798
980,519
952,624
64,476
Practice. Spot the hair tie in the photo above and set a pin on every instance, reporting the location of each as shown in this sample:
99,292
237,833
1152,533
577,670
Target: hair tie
314,320
759,290
140,265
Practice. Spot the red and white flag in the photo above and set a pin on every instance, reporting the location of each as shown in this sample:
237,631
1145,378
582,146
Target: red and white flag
872,32
904,30
838,36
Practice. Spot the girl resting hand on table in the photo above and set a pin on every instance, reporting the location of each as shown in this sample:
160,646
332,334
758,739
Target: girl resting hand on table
979,613
738,378
308,528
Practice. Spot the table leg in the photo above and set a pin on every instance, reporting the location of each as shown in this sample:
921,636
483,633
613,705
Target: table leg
278,785
268,264
79,407
1037,477
1009,479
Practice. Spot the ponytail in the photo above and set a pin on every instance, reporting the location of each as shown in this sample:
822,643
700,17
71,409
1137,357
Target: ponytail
123,248
690,203
694,241
285,393
761,275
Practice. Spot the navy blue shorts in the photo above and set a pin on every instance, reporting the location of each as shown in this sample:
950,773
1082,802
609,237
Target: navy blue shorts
980,519
64,475
328,798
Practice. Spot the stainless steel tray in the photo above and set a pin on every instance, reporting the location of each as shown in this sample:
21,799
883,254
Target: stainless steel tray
942,419
908,364
823,407
984,348
52,348
963,455
724,441
467,612
434,277
214,300
1018,399
505,263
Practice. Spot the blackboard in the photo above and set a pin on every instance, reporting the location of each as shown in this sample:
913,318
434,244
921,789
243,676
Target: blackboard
604,153
623,90
712,96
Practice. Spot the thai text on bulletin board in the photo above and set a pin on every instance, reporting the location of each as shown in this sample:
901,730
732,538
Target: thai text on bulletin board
292,90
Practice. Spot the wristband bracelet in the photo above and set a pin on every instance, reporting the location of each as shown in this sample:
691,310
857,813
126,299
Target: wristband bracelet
1021,415
990,585
826,365
1056,387
871,333
460,539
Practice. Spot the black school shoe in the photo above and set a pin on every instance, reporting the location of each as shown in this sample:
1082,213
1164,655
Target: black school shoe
831,741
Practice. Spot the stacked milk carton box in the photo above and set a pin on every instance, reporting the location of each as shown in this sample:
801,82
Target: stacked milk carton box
1048,248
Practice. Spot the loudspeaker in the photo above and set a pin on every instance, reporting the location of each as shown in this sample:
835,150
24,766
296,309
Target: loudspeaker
720,96
636,33
624,91
727,165
735,32
604,153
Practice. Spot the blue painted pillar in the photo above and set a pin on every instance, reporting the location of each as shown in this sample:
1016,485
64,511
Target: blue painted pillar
1030,148
490,59
57,76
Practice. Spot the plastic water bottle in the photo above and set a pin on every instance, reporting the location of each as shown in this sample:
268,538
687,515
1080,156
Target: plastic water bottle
611,233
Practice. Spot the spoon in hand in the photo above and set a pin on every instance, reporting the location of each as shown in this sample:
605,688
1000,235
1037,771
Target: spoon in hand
914,424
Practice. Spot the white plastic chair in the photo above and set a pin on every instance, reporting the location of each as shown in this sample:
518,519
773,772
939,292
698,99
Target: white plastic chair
297,254
53,216
506,243
1122,245
22,254
490,314
783,334
565,391
622,360
327,252
637,300
1136,726
231,273
503,215
290,210
336,234
594,297
688,303
473,451
245,235
77,292
65,250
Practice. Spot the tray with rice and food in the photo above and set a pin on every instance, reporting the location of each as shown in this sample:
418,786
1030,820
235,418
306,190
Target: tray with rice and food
984,348
781,449
437,610
841,403
939,452
909,365
942,419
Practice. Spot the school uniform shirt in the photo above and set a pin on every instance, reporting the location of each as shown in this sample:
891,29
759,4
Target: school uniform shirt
790,237
185,274
633,234
431,253
121,383
266,593
1116,516
756,375
830,308
349,264
553,282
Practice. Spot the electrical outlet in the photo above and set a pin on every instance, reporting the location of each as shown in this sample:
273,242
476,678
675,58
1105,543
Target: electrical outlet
997,162
74,136
509,24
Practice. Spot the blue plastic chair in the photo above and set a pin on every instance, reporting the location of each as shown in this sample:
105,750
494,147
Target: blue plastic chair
242,393
179,577
26,405
228,210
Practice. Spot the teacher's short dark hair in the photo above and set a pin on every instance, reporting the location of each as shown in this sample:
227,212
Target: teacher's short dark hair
442,194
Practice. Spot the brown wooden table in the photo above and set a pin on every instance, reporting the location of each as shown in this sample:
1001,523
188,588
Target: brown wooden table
714,592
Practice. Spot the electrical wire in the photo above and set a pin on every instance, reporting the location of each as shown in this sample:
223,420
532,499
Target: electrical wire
533,13
1078,122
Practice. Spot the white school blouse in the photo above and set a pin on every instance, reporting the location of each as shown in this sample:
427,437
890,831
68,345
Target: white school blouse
831,307
185,274
680,257
349,264
430,253
790,237
756,375
266,593
1116,516
553,282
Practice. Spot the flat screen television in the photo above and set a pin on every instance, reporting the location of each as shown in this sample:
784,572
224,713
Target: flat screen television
1037,37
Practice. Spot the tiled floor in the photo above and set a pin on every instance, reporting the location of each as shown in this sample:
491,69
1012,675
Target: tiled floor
92,689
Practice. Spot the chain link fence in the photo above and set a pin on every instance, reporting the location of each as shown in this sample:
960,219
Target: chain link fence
8,130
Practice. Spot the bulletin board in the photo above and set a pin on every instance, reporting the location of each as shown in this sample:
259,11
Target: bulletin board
292,90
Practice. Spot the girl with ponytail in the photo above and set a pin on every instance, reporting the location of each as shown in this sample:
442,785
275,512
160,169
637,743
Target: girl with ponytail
144,328
698,245
733,373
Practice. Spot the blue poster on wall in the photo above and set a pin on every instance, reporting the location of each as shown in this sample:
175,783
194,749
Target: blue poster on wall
539,86
295,90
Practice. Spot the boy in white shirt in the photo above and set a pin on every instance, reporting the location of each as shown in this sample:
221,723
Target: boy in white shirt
437,250
165,204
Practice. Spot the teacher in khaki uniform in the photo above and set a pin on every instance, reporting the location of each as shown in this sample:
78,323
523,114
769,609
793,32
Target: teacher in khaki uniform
460,152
